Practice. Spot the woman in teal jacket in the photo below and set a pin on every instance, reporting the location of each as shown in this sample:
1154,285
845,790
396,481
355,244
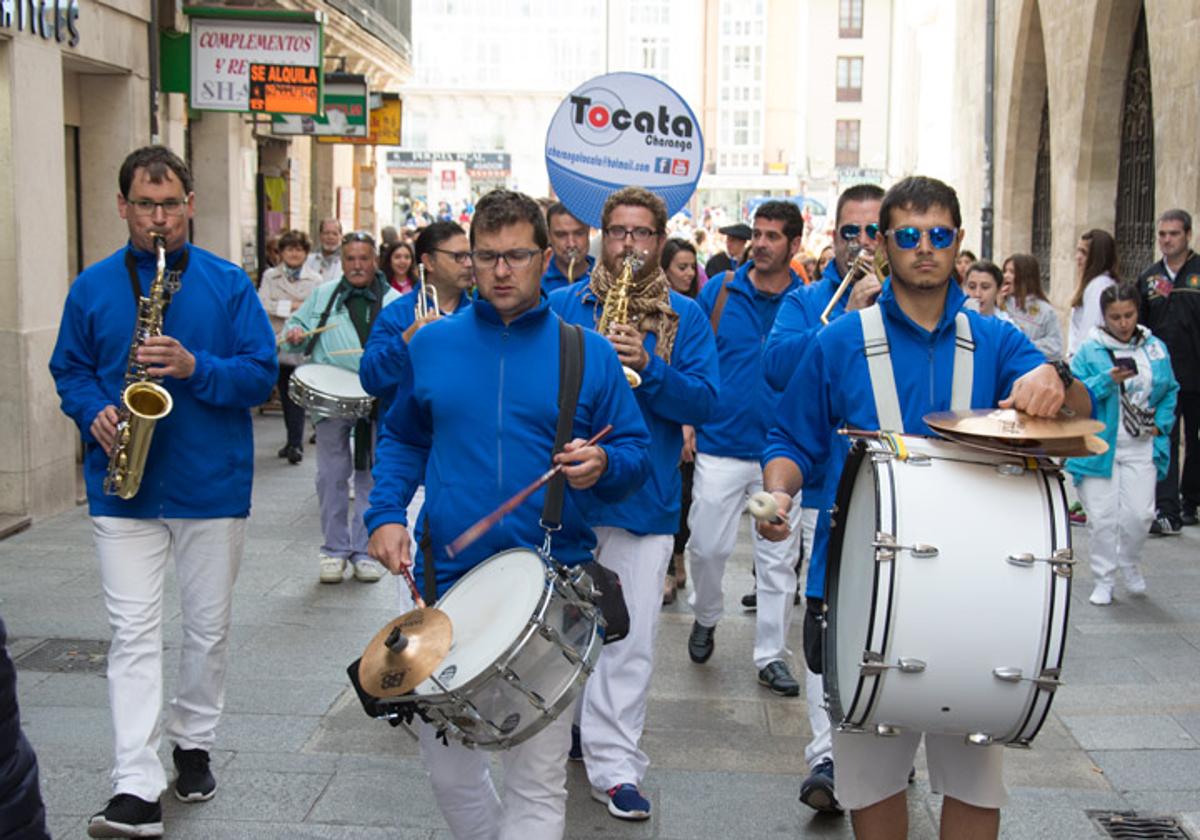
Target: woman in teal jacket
1128,371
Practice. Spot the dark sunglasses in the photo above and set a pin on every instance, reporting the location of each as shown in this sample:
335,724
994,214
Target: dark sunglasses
907,238
851,232
358,236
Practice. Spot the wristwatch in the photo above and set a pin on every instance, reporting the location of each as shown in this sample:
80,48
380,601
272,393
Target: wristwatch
1064,373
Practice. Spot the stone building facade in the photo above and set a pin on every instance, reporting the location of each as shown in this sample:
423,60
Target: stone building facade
1097,104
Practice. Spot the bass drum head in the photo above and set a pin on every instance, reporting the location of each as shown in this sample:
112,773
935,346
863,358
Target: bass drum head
330,380
488,608
850,584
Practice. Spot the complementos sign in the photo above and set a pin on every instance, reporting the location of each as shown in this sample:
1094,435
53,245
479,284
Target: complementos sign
618,130
229,56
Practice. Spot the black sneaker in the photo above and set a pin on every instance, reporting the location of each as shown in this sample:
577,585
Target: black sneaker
700,643
195,783
283,452
576,751
817,790
779,679
1163,526
126,815
750,602
1188,517
295,454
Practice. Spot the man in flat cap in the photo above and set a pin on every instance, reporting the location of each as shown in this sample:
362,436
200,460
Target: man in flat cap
736,237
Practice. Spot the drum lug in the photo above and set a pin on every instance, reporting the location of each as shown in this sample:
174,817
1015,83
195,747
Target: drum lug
1020,745
886,547
917,460
886,730
1061,560
1011,469
853,730
512,679
872,664
980,739
1048,680
553,637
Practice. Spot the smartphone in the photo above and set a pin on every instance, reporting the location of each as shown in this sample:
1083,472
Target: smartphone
1129,364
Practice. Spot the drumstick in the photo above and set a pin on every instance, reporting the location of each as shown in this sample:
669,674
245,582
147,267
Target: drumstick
309,334
412,587
346,352
484,525
764,508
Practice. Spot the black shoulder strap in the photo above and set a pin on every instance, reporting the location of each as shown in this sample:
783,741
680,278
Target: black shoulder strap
570,379
312,342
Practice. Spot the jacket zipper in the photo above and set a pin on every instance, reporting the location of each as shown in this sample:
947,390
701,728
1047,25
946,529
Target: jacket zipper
500,415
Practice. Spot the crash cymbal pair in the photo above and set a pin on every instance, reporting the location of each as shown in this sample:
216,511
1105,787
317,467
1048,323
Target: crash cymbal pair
1009,431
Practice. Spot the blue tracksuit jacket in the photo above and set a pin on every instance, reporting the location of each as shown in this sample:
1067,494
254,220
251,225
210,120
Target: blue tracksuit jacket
832,388
480,421
746,405
553,279
682,391
201,460
385,365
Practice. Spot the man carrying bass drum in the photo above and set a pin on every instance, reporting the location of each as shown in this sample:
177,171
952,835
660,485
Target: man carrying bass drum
921,228
477,433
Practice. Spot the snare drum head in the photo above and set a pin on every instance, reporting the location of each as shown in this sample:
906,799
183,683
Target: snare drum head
330,380
488,608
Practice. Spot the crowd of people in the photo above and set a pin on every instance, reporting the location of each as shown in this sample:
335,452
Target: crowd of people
744,371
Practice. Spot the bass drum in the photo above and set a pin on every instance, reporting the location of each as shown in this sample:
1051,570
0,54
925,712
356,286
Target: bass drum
948,581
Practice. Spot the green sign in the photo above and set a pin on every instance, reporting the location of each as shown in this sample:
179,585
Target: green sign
346,111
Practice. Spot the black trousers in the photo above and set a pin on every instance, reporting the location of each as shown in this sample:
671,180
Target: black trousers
686,470
293,414
1174,486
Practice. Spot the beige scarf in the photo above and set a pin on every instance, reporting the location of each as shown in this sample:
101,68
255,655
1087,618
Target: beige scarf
649,305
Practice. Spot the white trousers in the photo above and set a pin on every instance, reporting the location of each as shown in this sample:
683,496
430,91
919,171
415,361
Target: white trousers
533,802
1120,509
133,556
614,699
719,492
820,747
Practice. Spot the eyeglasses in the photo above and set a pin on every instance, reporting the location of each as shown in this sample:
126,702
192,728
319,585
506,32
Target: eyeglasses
851,232
907,238
358,236
460,257
639,234
517,258
146,207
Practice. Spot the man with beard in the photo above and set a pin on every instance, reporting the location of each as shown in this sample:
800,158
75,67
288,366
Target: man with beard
741,308
345,310
669,344
569,240
919,316
799,318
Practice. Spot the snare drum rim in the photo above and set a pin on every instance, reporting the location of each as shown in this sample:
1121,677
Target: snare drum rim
322,403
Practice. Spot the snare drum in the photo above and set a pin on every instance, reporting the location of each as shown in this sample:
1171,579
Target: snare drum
949,573
524,643
329,391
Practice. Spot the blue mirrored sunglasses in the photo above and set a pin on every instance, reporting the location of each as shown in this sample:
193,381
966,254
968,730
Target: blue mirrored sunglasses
850,232
907,238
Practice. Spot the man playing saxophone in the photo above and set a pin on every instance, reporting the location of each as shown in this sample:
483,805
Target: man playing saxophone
664,341
213,351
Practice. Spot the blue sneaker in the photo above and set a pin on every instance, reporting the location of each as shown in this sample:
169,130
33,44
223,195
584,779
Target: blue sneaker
624,802
576,751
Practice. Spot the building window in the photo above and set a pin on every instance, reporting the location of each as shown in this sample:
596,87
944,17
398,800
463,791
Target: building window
847,143
850,13
849,78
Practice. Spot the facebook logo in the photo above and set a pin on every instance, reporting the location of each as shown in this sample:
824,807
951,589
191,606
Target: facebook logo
662,165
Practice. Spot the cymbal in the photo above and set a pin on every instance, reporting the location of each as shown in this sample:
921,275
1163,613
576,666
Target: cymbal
385,672
1009,424
1079,447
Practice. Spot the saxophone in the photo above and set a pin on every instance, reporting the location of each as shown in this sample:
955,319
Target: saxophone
143,402
616,309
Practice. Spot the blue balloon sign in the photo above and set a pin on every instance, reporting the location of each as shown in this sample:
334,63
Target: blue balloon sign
620,130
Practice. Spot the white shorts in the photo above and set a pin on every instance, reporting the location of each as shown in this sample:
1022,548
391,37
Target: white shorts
869,768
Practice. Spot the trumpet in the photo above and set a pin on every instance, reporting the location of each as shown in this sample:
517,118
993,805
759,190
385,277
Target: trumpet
865,263
427,297
616,309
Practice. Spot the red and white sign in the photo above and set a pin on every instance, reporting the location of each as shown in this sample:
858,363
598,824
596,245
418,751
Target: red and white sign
224,49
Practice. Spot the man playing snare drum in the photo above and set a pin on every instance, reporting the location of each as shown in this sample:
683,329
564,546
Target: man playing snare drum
478,423
832,388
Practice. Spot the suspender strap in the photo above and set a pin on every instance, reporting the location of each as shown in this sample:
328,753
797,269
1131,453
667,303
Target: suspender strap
570,379
883,377
964,364
879,367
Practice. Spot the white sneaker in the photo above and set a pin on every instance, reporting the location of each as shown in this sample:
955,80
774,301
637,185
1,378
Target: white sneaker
1101,595
1135,584
332,568
368,571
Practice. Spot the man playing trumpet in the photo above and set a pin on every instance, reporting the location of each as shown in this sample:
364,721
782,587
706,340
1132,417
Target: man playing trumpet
667,345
